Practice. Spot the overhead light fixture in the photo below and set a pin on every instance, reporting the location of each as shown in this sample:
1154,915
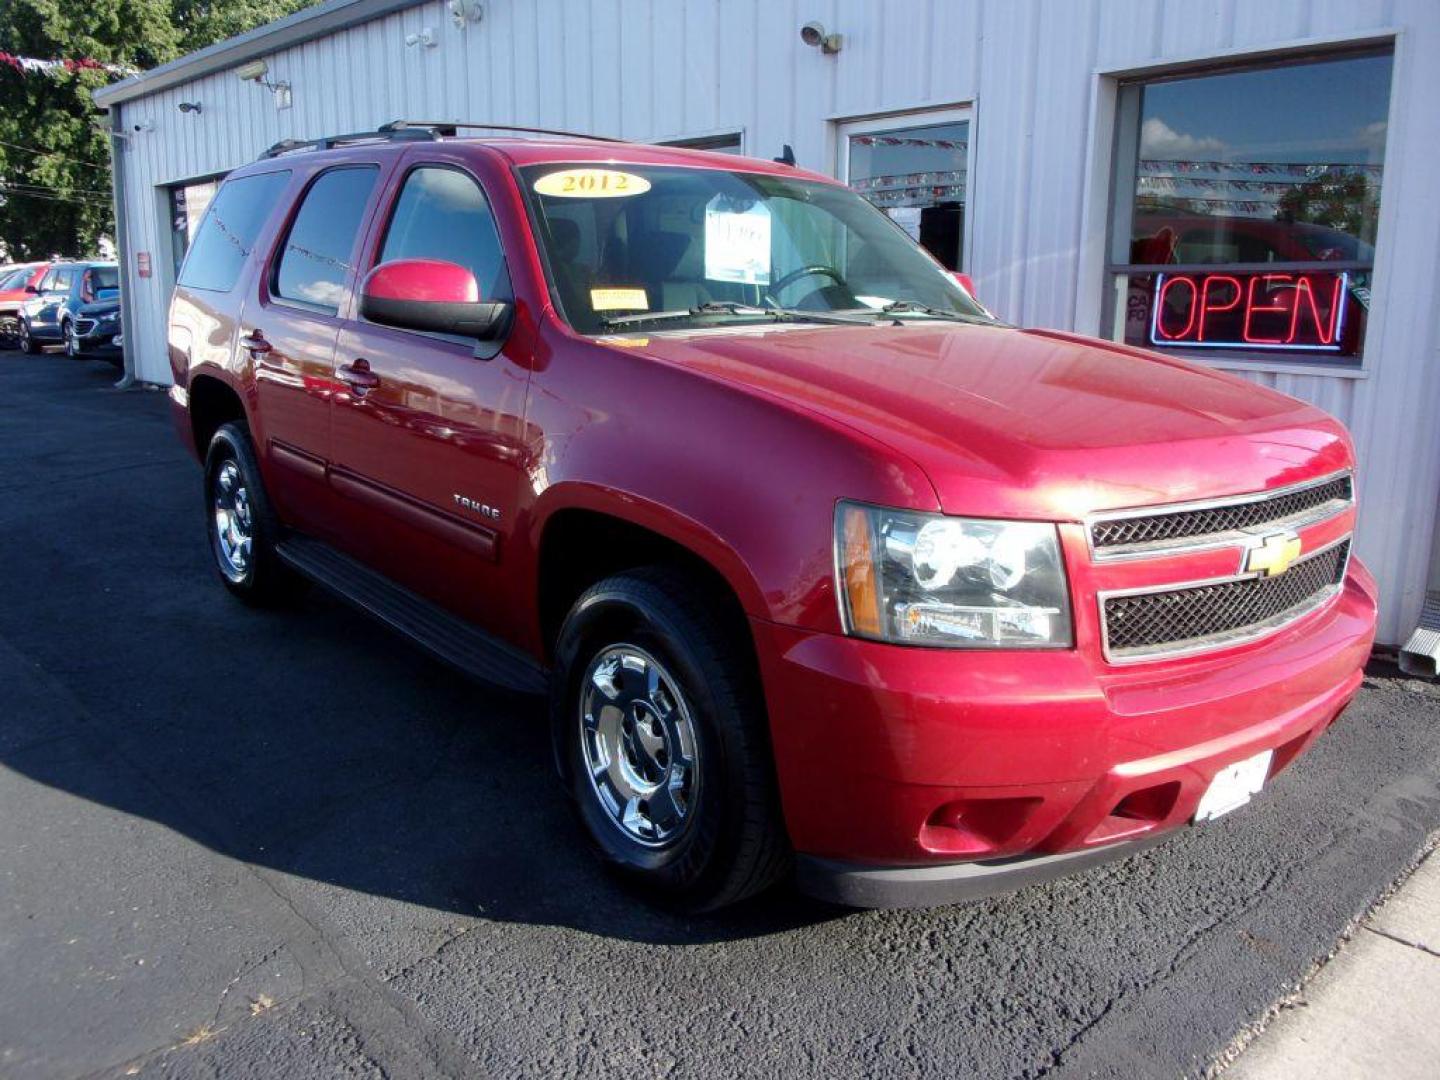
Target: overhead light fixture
814,35
255,71
464,12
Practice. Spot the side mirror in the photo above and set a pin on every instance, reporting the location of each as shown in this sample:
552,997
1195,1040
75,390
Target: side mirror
434,296
33,289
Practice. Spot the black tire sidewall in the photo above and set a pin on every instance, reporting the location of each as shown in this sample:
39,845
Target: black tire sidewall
72,347
686,870
27,342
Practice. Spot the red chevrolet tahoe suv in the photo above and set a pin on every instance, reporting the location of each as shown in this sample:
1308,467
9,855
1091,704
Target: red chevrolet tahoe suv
824,570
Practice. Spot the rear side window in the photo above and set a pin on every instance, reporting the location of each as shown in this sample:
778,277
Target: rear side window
316,258
442,214
229,230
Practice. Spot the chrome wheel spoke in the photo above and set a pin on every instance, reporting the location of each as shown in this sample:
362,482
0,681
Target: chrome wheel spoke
638,742
234,535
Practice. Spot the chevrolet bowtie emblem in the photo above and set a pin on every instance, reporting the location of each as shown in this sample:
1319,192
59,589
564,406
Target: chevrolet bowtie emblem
1272,554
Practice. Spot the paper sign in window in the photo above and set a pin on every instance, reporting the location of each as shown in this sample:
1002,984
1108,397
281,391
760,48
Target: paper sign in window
737,242
619,300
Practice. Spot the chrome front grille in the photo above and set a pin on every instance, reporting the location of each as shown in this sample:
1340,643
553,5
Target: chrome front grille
1218,522
1178,620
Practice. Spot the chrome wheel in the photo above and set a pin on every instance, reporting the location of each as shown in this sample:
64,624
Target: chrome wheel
638,744
72,341
234,528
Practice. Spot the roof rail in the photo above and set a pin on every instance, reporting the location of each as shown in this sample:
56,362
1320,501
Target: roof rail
414,131
387,133
441,125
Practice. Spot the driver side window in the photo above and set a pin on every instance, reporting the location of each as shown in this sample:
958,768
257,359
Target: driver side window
442,214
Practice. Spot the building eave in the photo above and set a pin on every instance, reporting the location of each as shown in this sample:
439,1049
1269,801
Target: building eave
305,25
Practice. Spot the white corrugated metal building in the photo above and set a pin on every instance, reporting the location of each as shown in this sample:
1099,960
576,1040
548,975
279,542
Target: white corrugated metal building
1046,147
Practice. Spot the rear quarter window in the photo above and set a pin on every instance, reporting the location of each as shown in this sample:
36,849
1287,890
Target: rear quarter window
228,233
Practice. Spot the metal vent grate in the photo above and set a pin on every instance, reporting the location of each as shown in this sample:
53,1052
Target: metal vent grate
1189,526
1204,616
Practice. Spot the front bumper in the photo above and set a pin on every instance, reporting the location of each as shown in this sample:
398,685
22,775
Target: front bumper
97,336
896,761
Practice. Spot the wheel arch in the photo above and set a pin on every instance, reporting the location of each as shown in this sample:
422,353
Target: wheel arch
590,533
212,402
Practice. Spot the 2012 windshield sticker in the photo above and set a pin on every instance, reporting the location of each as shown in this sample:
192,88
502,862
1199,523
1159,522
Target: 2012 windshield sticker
591,184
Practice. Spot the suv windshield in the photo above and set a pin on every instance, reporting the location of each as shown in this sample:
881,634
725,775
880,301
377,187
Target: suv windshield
652,246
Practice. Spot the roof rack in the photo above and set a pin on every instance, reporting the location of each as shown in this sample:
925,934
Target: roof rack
414,131
386,133
440,125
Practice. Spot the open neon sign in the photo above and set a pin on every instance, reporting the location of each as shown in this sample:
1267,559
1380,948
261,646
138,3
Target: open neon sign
1294,311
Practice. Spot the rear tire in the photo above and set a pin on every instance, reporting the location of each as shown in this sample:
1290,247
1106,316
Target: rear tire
662,737
240,523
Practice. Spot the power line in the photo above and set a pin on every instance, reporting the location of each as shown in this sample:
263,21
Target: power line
7,195
99,193
49,189
54,153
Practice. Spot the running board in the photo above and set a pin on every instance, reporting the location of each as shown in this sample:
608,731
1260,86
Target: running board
453,640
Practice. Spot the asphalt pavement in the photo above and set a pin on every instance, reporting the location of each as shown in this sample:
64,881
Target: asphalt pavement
286,843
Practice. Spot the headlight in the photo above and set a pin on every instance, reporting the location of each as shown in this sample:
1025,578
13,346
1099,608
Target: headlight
928,579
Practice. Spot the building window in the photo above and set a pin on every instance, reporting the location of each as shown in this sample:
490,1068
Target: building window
1245,209
916,169
188,203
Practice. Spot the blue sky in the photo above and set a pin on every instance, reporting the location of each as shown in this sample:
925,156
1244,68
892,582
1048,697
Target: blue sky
1333,111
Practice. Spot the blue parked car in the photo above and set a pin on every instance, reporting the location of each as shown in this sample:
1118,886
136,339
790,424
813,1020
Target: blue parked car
77,305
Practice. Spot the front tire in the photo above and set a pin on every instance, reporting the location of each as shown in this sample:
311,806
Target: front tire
662,737
28,345
72,340
240,523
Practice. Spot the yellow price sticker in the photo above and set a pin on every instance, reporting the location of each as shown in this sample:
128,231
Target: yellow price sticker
591,184
619,300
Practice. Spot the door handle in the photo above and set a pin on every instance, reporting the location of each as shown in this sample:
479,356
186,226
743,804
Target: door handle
358,375
255,344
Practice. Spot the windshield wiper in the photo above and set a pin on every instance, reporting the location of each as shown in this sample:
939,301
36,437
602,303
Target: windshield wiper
729,307
912,307
712,307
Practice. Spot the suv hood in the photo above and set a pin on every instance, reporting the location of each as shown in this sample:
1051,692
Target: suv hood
1026,423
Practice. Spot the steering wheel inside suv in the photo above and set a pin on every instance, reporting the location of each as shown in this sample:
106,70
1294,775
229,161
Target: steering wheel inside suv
786,280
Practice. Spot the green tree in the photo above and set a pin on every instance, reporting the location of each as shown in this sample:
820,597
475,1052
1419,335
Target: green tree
54,158
1346,201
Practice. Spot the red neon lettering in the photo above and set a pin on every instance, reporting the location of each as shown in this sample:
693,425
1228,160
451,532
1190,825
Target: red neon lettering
1324,330
1206,310
1251,308
1160,310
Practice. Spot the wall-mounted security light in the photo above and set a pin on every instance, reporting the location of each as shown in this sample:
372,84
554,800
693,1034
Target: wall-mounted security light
425,38
255,71
814,35
189,107
464,12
